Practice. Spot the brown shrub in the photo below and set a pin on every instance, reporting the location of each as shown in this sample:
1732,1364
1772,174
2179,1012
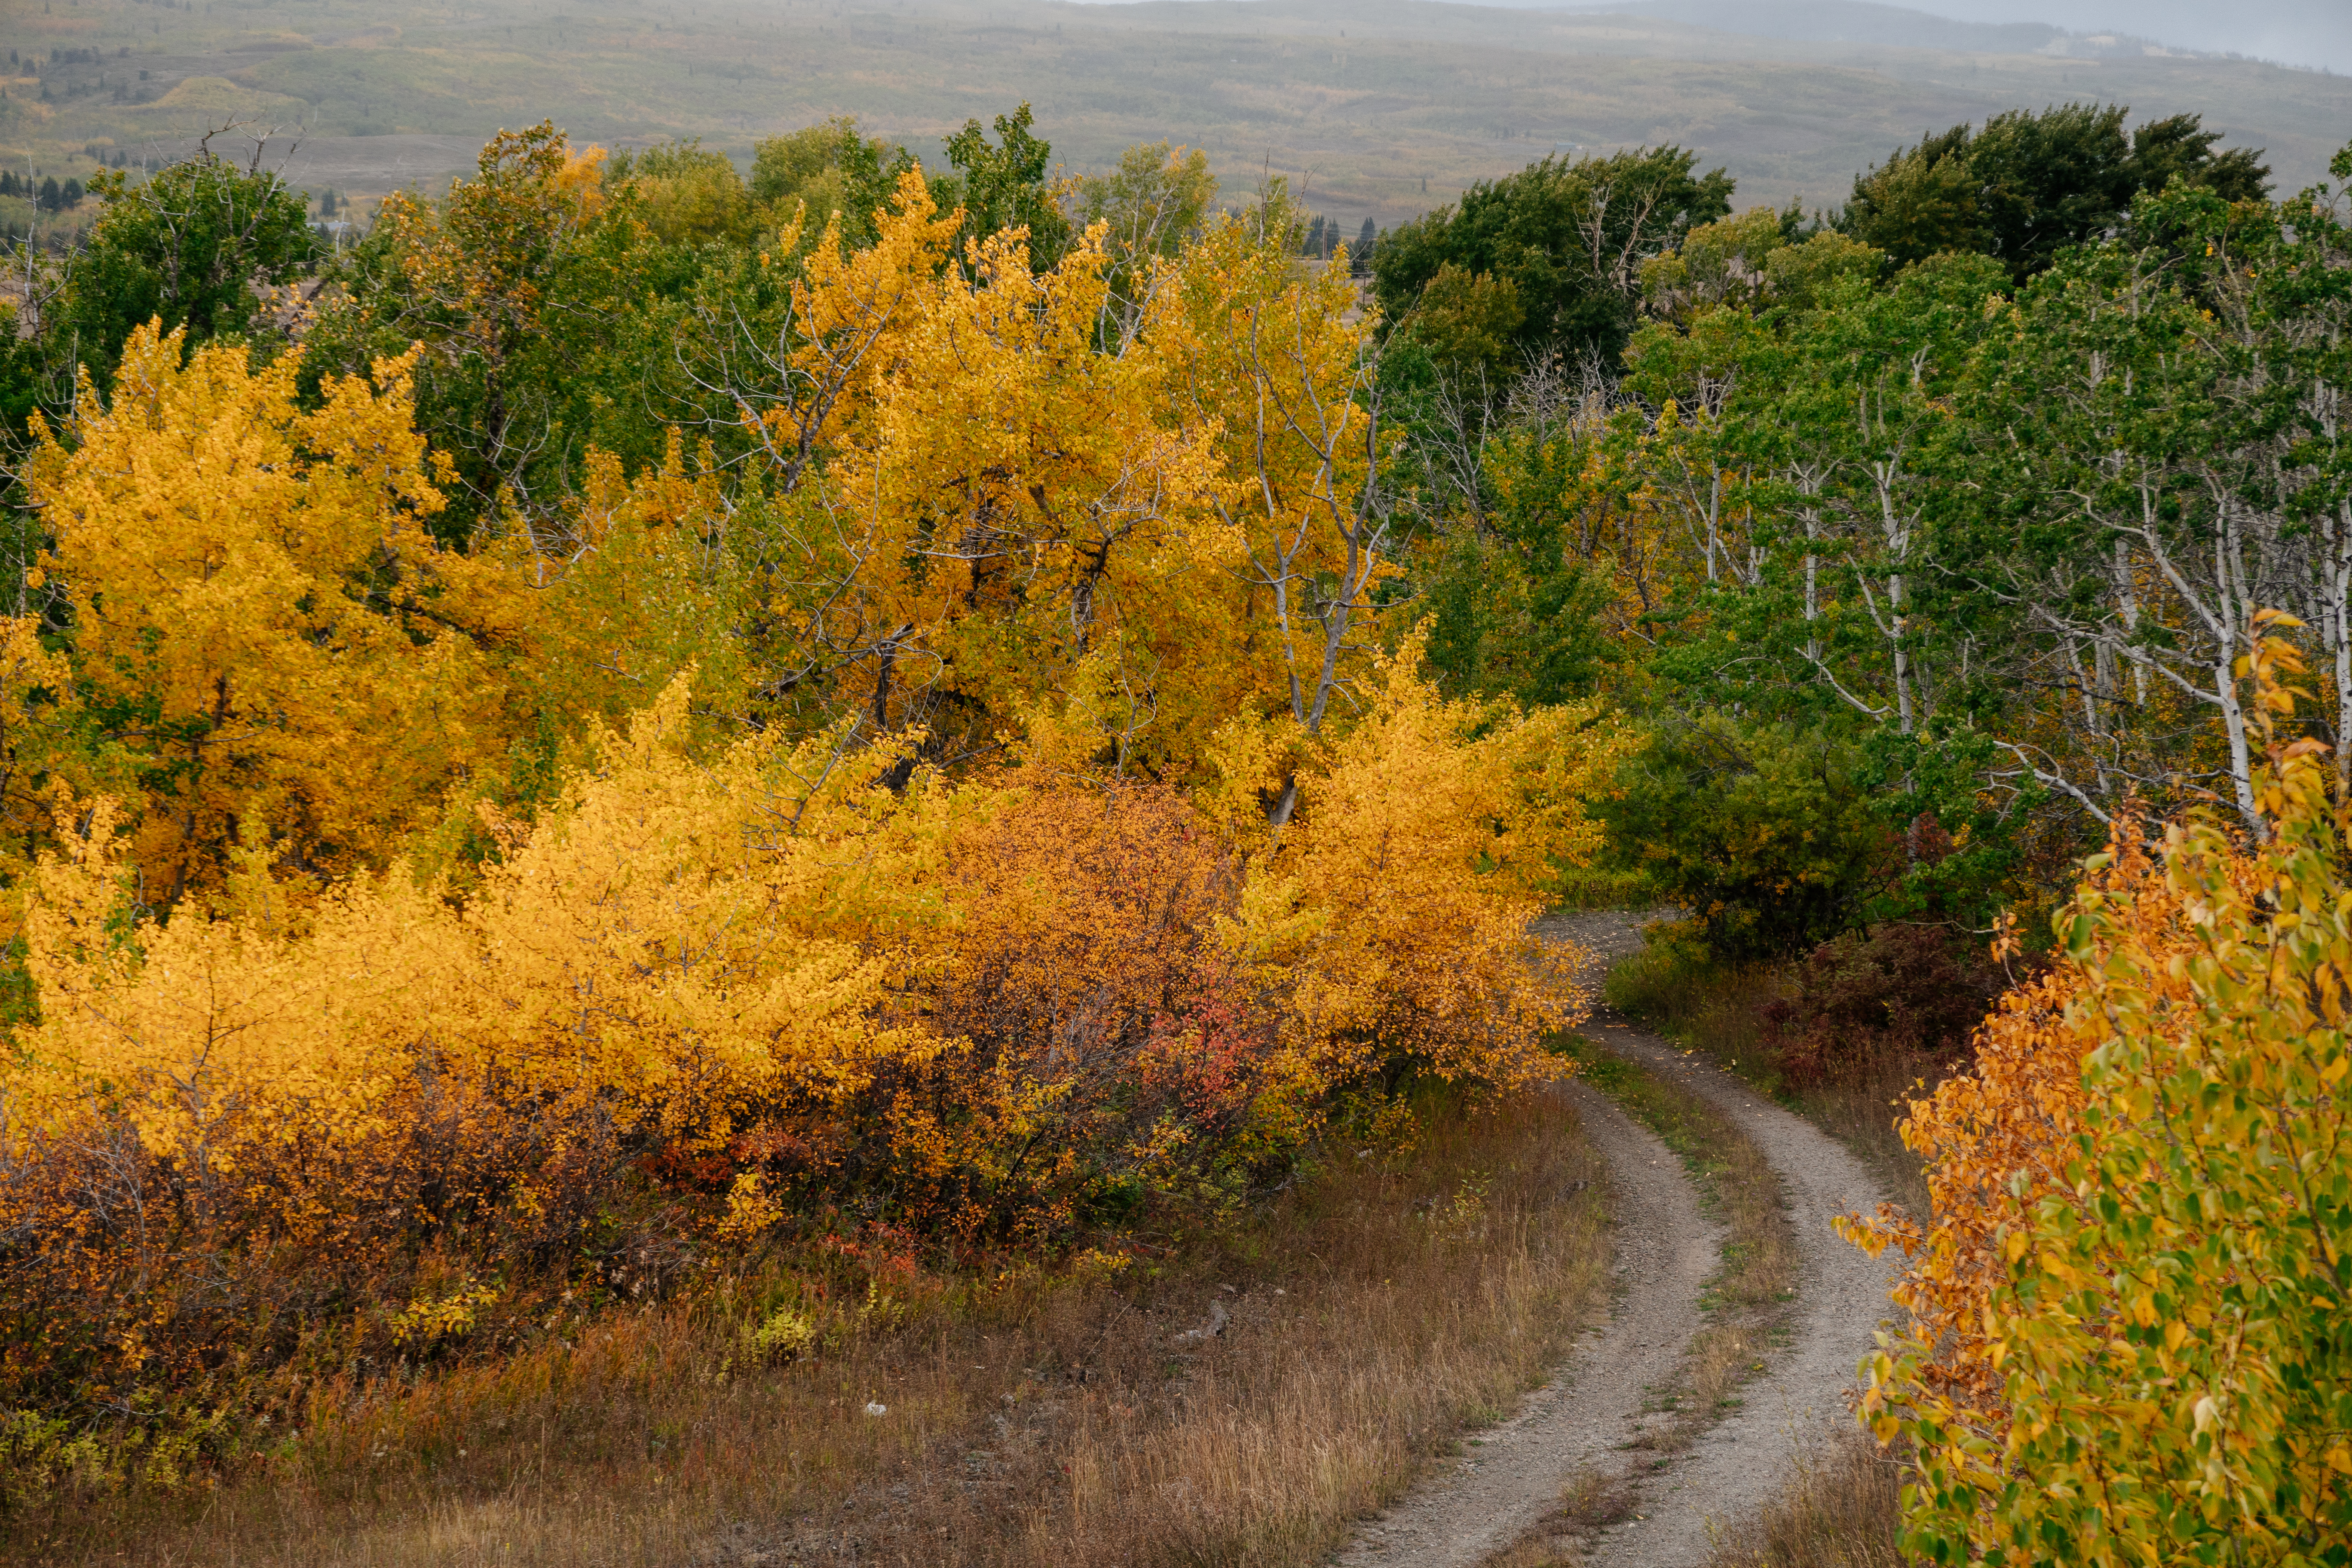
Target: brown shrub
1906,993
1371,1311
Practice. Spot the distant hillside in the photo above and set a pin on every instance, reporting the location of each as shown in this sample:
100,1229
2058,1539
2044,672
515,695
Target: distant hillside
1375,107
1857,22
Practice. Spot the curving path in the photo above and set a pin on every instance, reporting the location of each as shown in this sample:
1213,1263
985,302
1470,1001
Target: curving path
1582,1421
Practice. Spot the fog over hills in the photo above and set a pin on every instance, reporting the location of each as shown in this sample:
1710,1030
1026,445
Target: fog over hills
2293,32
1377,107
2308,33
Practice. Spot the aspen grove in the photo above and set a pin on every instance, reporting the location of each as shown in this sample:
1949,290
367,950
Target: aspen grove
989,800
879,731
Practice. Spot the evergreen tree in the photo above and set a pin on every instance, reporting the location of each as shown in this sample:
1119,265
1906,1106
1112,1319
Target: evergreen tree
2026,185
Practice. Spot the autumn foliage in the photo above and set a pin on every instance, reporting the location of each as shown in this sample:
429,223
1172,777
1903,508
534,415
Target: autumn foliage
999,812
2130,1334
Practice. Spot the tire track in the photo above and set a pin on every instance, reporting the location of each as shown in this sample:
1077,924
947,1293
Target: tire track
1666,1252
1750,1458
1584,1419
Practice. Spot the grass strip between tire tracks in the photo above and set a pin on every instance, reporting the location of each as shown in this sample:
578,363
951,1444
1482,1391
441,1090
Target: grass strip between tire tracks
1746,1305
1747,1302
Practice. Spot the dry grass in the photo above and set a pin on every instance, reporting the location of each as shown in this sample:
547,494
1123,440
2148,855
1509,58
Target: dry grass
1368,1319
1840,1513
1589,1503
1862,1114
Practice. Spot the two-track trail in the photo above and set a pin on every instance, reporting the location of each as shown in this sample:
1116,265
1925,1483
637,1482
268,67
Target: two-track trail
1586,1421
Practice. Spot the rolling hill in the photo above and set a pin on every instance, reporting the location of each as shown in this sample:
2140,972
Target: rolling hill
1377,107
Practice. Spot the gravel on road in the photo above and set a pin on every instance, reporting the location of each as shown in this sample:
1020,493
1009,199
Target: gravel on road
1586,1419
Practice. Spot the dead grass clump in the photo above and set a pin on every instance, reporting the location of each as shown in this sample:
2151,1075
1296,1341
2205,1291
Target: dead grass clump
1239,1398
1843,1512
1589,1503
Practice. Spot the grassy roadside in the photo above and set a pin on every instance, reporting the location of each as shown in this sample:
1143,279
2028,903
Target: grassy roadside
1840,1513
1746,1305
1153,1413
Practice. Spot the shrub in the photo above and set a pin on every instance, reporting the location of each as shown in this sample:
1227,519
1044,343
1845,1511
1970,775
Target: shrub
707,1006
1864,998
2130,1337
1766,834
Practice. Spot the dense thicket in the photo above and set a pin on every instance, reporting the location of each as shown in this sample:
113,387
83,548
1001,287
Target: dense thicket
2024,186
1981,559
2004,516
630,736
1561,243
2130,1340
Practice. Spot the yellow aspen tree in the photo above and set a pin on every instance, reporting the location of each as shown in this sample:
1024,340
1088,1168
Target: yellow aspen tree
999,500
1276,361
37,694
1020,501
1400,903
257,612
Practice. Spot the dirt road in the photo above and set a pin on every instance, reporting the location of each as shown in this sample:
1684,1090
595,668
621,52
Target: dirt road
1582,1422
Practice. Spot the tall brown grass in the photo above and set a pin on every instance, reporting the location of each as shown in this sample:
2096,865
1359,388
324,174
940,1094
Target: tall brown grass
1842,1511
1084,1419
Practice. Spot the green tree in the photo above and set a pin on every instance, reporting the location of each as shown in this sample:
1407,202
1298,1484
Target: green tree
831,168
2164,151
683,193
1569,236
1005,186
519,285
1718,263
2027,184
187,246
25,382
1766,833
1469,323
1154,200
1516,593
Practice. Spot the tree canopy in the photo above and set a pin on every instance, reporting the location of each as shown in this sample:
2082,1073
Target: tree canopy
188,247
1569,236
2027,185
